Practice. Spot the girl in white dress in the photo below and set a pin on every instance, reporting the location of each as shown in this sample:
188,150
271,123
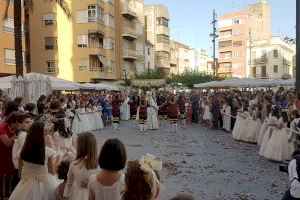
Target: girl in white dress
253,126
82,167
37,167
142,179
238,132
207,116
264,127
293,136
109,183
277,147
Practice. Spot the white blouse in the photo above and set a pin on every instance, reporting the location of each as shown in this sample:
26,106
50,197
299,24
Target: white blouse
101,192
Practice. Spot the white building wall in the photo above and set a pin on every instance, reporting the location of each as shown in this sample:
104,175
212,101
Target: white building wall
149,57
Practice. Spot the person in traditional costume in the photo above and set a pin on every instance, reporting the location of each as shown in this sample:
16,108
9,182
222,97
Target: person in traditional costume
182,110
173,114
141,116
116,104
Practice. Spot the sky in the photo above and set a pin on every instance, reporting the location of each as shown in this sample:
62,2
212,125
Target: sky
191,19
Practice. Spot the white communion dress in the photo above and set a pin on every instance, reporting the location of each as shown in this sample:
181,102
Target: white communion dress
76,175
277,148
252,129
36,182
238,132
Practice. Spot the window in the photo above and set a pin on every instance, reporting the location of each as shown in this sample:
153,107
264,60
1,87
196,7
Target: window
9,57
162,21
263,71
48,19
83,65
50,43
148,65
254,72
237,21
9,27
162,39
81,16
237,54
95,13
109,43
237,43
275,52
225,44
82,40
148,51
275,68
50,67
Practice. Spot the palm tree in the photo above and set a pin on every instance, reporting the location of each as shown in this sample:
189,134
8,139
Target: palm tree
28,4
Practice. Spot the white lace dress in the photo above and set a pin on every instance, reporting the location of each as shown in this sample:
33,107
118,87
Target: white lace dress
97,191
238,132
76,175
36,182
252,129
277,148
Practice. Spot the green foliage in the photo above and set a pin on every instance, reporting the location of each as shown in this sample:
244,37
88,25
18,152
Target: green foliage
152,75
190,78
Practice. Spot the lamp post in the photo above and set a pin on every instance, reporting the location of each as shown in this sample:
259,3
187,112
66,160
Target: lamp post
298,46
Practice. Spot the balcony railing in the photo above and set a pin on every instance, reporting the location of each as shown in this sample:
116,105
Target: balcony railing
129,33
286,62
128,12
130,54
262,60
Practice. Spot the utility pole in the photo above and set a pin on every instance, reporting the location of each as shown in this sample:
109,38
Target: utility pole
298,46
214,37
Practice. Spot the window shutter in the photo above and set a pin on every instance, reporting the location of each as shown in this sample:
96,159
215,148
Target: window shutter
82,16
48,16
9,54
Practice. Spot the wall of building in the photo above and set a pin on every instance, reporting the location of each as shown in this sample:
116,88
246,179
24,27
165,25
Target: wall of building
7,58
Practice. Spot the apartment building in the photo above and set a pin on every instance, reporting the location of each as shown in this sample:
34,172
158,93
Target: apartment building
7,47
198,60
130,43
271,58
235,30
180,58
157,32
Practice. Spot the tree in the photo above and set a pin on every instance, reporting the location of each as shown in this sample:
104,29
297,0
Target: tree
152,75
28,6
190,78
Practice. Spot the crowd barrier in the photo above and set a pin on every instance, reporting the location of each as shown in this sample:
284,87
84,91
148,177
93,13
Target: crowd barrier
87,121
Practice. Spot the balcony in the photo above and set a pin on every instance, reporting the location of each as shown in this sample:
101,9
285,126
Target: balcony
129,34
163,30
173,61
225,69
163,47
128,12
286,62
262,60
162,63
130,55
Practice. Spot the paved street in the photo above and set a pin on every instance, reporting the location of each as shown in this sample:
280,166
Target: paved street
207,163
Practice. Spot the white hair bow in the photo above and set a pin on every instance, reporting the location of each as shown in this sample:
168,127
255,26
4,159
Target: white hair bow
149,164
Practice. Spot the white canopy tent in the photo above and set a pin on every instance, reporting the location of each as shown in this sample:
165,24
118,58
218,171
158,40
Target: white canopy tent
246,83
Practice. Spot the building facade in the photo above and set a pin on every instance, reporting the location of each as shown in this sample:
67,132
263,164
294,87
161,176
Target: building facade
271,58
179,58
236,29
198,60
149,58
7,48
157,32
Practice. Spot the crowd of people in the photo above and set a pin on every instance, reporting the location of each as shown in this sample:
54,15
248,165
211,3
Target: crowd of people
42,158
